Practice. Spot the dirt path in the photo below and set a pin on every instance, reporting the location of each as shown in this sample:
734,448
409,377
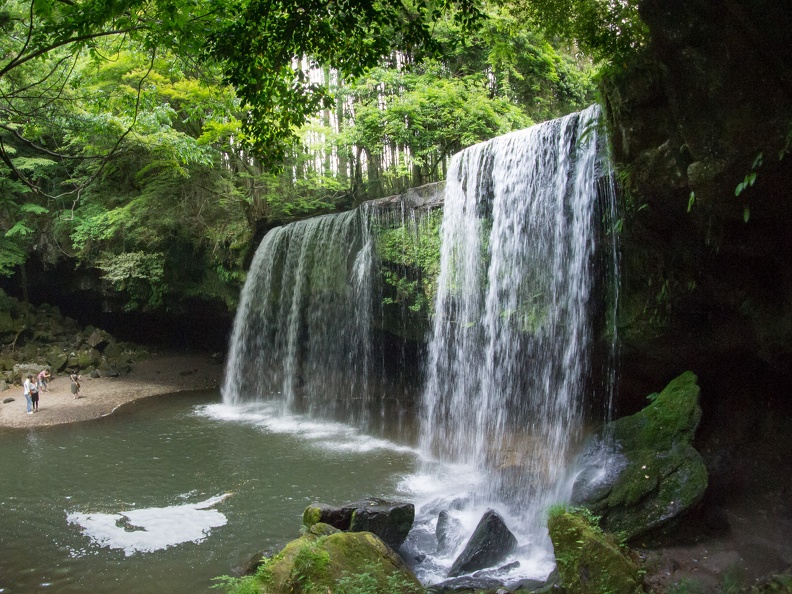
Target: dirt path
162,374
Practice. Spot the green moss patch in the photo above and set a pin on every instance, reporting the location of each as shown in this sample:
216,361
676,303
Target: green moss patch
663,475
590,561
339,562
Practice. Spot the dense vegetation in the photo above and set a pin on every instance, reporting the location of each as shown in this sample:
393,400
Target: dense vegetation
131,147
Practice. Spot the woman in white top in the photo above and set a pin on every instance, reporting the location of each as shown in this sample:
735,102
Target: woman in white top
28,386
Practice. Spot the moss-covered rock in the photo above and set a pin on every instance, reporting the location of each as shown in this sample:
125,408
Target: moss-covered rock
391,521
671,418
590,561
325,559
642,470
41,336
7,324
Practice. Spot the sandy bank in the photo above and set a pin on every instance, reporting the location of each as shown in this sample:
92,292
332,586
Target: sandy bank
162,374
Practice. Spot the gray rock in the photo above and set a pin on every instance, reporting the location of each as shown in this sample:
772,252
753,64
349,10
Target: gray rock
99,339
465,584
388,520
112,350
22,370
107,370
527,585
494,571
7,400
490,544
448,532
391,521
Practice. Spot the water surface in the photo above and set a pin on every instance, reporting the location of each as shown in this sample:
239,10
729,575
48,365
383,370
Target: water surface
172,491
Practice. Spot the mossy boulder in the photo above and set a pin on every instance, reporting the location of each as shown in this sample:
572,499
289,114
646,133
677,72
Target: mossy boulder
88,358
99,339
589,561
642,471
324,559
57,358
7,324
391,521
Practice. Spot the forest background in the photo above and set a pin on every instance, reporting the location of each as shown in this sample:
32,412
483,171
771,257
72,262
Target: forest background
149,145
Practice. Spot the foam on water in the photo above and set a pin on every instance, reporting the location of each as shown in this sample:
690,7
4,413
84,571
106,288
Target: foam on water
325,435
151,529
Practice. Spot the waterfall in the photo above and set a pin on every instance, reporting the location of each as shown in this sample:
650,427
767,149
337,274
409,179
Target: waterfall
510,354
308,332
509,361
302,330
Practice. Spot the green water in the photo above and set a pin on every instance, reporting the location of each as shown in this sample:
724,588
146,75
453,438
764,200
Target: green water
164,453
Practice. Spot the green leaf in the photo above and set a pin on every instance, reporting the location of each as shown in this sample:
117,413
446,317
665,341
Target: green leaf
32,208
19,230
746,214
691,200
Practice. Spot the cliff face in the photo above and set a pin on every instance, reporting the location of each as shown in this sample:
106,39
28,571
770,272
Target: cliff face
702,125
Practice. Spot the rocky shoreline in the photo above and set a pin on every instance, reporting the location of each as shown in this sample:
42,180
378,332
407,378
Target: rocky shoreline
112,372
161,373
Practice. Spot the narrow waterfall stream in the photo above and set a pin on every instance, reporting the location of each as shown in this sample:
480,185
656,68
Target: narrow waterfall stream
508,366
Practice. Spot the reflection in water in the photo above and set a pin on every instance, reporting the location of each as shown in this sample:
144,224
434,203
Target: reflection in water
152,529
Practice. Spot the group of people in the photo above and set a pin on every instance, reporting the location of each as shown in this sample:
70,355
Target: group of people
34,385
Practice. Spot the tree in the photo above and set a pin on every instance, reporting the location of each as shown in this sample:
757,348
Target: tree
259,45
610,30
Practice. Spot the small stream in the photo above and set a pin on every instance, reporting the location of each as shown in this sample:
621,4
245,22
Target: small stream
170,492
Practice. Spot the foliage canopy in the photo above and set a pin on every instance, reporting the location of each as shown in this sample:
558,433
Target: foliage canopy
124,148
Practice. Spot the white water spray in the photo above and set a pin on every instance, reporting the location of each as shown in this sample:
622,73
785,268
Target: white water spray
510,355
509,361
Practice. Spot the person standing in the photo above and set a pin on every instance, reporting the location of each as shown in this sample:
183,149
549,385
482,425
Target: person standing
34,394
27,387
43,380
75,385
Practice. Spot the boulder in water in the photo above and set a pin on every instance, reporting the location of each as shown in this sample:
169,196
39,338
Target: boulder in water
490,544
327,560
588,560
465,584
391,521
448,533
647,473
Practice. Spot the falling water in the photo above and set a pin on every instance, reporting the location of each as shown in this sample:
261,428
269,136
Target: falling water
509,360
510,354
308,336
301,335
